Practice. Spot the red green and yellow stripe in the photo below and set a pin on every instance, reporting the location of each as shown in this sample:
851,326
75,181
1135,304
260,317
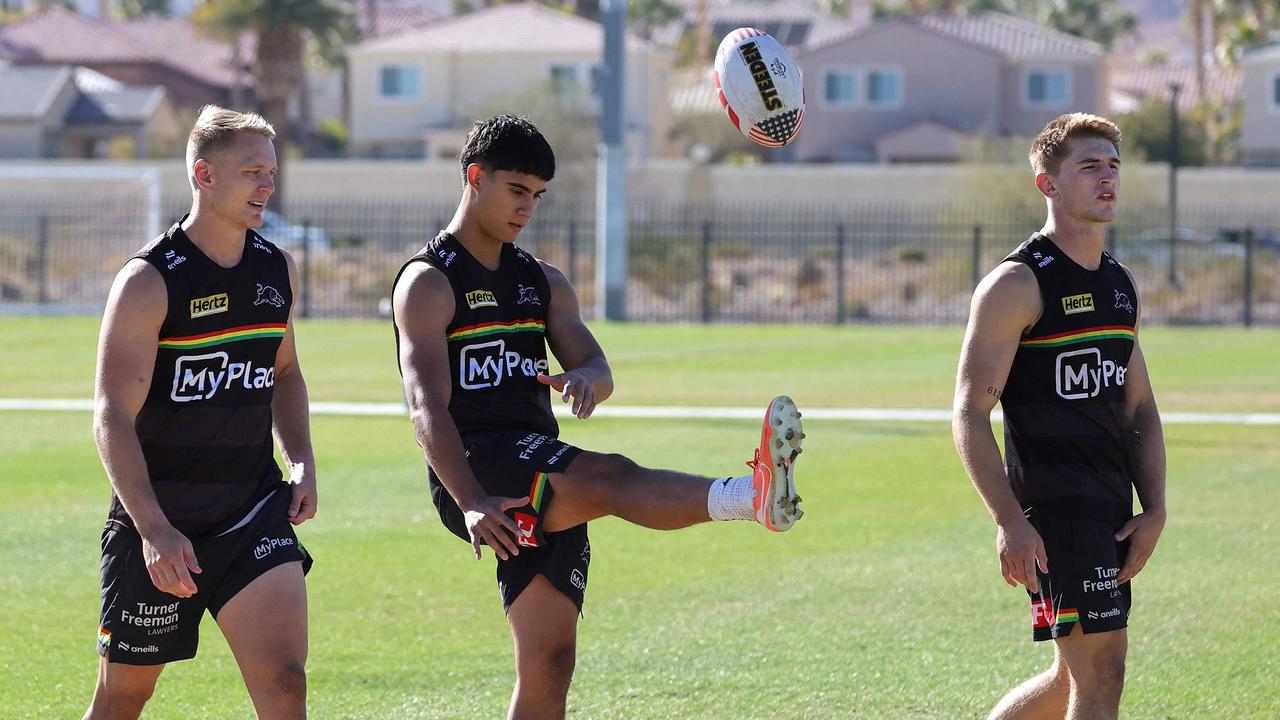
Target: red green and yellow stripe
537,491
1073,337
1067,615
493,328
218,337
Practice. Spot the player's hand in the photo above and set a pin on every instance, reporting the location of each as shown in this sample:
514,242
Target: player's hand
574,384
1142,532
1021,551
170,561
488,524
303,505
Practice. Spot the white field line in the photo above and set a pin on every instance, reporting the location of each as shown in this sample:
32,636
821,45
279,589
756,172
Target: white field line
698,413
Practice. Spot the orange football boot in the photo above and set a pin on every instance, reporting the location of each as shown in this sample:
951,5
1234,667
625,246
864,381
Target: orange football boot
776,503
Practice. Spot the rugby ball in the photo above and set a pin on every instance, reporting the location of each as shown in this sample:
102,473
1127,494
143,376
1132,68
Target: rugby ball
760,87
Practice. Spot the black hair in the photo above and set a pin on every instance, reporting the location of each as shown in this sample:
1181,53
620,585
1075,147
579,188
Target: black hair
508,142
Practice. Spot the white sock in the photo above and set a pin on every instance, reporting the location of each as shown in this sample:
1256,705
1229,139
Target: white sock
731,499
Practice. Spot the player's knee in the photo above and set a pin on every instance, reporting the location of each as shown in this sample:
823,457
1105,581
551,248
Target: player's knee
1104,674
552,664
120,703
601,475
605,466
1110,673
291,681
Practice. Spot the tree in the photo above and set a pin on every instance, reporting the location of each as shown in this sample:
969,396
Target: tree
645,15
281,28
1146,134
134,9
1241,25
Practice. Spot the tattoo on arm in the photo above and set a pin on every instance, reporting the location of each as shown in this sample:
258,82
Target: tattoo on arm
994,391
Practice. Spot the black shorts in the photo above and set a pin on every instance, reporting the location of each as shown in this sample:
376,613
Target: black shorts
142,625
1080,587
515,463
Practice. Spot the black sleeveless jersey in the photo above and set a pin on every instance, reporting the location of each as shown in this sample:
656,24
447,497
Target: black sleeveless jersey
205,427
1066,445
497,338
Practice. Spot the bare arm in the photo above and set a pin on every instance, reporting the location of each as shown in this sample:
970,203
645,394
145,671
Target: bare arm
1147,460
290,416
127,345
424,307
587,378
1005,304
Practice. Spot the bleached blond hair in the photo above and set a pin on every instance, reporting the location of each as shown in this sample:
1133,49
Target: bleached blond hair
216,128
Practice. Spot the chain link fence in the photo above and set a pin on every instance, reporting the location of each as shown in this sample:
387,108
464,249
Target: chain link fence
783,263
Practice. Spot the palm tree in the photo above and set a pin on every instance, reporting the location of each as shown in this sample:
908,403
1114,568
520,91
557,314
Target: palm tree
281,28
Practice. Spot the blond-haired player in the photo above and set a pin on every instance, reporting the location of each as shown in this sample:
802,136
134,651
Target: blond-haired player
196,368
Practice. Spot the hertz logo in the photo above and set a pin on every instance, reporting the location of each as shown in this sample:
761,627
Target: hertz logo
481,298
211,305
1076,304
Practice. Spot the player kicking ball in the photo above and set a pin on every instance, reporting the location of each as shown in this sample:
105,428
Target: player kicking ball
474,315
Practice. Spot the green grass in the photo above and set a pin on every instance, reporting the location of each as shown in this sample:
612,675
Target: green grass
885,602
1221,369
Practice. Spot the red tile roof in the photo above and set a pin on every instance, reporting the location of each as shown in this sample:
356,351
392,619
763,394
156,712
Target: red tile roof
56,35
1152,81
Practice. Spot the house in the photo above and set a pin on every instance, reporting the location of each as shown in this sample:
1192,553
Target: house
1133,85
416,94
926,87
327,87
797,24
1260,134
168,52
67,112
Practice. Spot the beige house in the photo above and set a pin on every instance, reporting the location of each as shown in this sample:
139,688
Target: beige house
1260,134
68,112
924,88
416,94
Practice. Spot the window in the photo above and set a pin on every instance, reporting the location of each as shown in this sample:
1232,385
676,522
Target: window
399,82
1047,88
841,88
872,87
884,87
564,81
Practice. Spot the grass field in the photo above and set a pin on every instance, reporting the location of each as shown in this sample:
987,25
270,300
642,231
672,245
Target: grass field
885,602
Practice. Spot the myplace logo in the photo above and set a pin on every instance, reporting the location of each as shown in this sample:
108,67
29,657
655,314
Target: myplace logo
1083,374
200,377
197,377
484,365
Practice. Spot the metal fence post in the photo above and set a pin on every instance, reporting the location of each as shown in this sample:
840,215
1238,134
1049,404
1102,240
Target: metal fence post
706,271
573,252
842,310
42,260
1248,277
976,274
1111,240
305,270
